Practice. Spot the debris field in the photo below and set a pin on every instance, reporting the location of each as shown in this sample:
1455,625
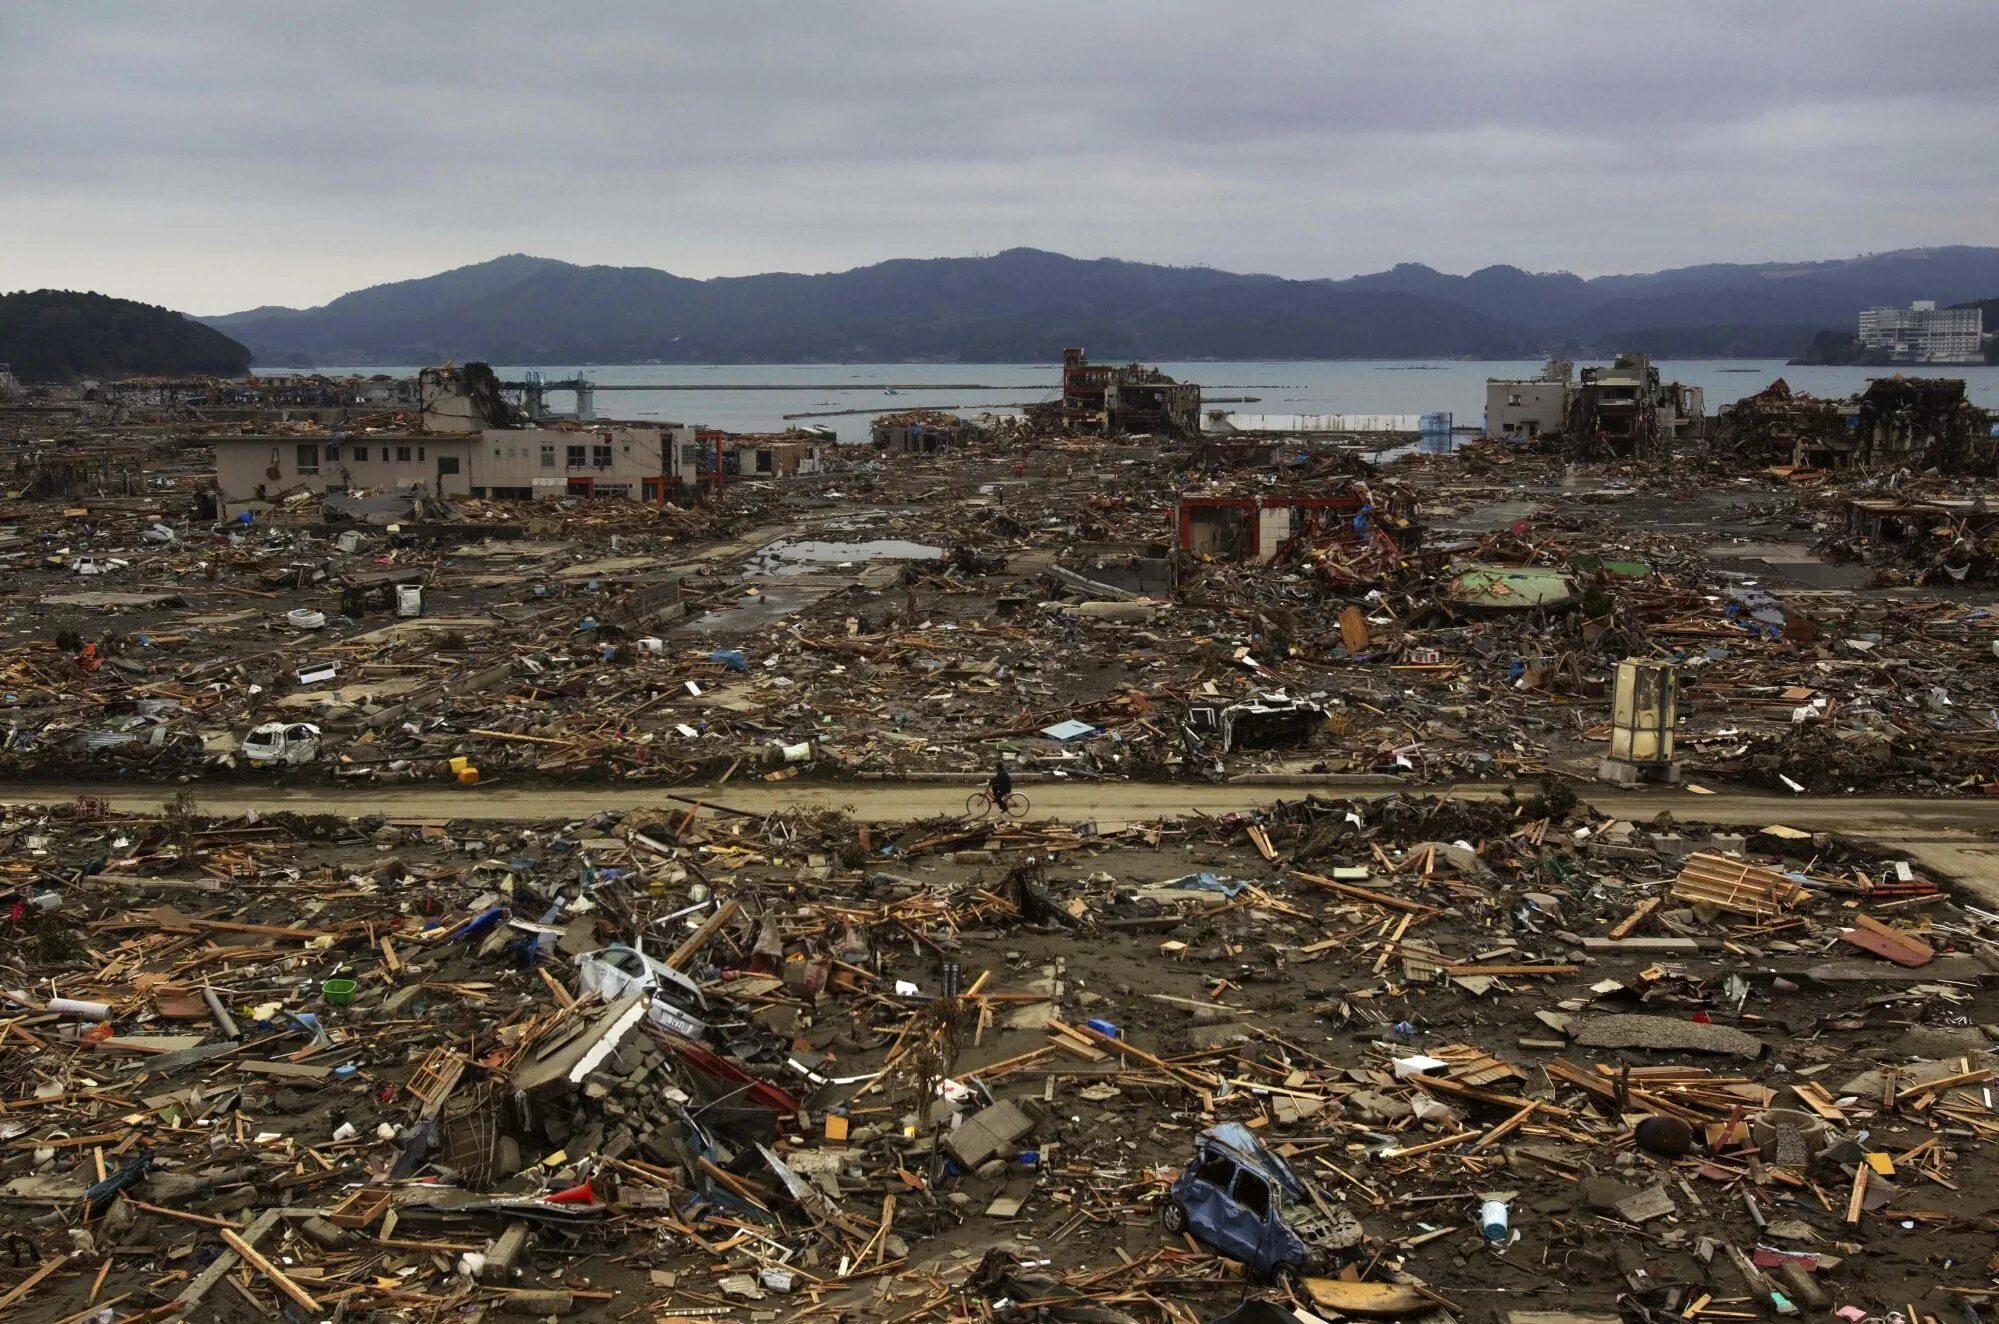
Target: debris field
692,1064
1075,606
1364,1052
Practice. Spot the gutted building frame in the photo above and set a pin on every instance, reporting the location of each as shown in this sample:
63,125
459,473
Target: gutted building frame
1121,400
1625,411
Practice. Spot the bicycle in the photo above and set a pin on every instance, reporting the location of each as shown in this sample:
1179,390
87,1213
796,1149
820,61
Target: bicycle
980,803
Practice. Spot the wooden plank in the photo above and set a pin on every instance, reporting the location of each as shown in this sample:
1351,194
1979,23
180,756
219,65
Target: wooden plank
29,1283
287,1070
1819,1101
1440,1083
887,1223
701,936
1870,935
181,1214
1505,1128
1943,1083
1090,1036
1261,840
1429,1145
1471,1065
1353,630
279,1279
1622,929
1388,948
1385,1299
1363,894
1076,1048
563,998
219,1267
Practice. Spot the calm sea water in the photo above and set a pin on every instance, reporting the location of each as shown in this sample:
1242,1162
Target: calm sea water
1413,386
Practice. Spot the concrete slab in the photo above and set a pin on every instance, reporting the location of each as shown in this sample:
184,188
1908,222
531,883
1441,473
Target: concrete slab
982,1135
1662,1034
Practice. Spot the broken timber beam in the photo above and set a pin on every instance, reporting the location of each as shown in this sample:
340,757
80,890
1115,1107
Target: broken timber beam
1364,894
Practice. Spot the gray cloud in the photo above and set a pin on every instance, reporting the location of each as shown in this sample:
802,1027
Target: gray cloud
217,155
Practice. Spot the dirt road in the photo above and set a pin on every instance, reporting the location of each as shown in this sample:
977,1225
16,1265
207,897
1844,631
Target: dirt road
1071,801
1952,838
1068,801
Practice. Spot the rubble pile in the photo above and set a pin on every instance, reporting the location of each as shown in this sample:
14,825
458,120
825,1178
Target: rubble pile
1073,606
1394,1057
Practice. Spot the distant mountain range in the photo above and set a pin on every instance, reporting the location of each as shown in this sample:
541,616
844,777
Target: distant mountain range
1025,305
63,335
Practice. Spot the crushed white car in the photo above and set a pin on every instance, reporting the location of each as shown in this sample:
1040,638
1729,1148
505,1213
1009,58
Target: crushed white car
674,1002
282,743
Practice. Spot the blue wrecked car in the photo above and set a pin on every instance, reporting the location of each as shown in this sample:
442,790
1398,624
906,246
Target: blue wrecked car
1247,1203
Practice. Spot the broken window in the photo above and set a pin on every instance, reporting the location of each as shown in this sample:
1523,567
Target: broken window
600,457
578,456
308,457
447,464
1217,1171
332,452
360,453
402,455
1252,1193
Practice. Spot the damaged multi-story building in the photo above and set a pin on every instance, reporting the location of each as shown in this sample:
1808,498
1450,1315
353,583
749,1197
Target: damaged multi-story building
1923,422
467,439
1113,400
1530,407
1627,411
1912,422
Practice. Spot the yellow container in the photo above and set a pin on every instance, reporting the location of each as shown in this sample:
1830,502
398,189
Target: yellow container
468,776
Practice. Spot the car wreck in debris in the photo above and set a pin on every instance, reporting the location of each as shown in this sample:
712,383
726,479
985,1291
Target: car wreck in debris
1267,719
282,744
1247,1203
674,1002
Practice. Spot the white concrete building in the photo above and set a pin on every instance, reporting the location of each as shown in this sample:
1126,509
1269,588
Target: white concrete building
1531,406
1924,333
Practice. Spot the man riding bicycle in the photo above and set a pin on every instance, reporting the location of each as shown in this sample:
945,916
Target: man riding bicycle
1001,786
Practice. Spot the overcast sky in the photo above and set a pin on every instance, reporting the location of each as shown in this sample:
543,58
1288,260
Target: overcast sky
216,156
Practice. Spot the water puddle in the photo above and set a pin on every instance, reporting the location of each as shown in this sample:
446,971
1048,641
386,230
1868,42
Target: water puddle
807,555
751,613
